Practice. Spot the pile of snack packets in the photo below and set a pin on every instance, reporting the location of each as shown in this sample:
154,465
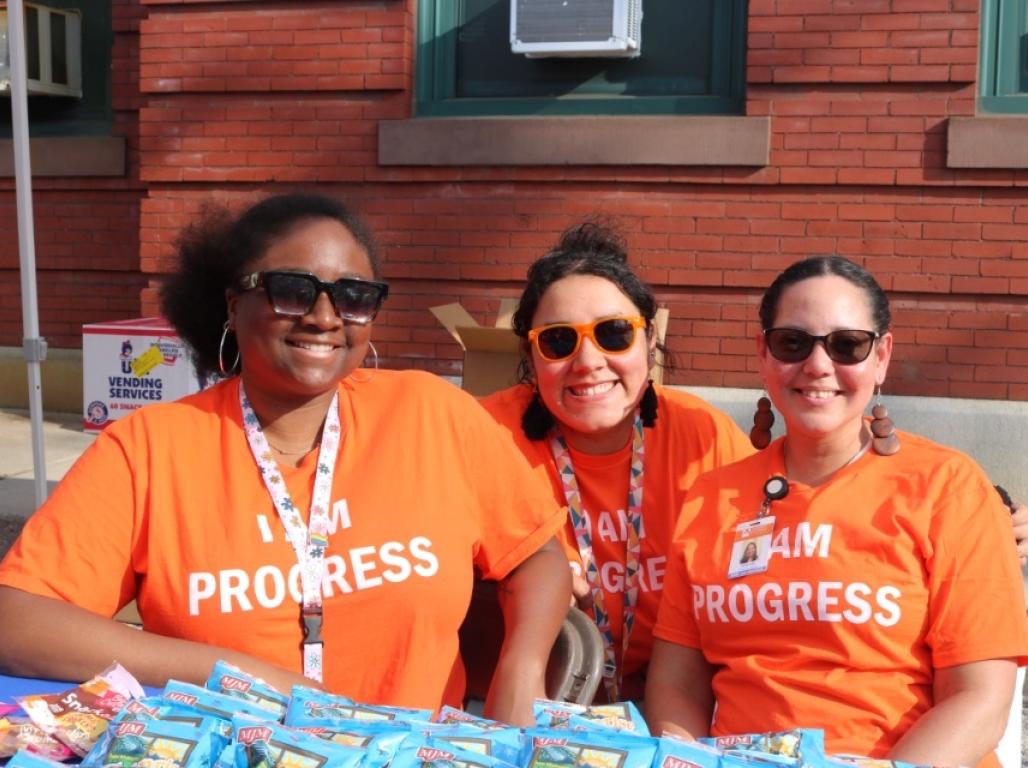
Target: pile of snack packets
238,721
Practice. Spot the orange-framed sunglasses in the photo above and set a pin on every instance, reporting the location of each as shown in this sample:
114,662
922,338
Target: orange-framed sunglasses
612,335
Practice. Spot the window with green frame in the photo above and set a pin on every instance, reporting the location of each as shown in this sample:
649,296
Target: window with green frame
1003,74
68,116
692,62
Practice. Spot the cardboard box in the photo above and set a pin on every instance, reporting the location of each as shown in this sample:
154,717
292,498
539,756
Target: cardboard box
492,354
129,363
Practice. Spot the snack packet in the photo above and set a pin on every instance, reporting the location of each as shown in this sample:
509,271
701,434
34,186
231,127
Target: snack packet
543,748
211,702
497,740
157,744
800,745
25,759
232,681
18,732
79,716
673,752
448,715
271,745
621,716
421,751
308,702
155,708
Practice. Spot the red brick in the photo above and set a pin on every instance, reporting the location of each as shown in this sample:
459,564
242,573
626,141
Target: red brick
890,21
863,39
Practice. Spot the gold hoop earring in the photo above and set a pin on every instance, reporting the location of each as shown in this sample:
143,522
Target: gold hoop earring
221,354
374,357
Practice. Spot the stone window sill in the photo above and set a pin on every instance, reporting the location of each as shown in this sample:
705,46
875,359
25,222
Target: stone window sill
592,140
987,142
68,156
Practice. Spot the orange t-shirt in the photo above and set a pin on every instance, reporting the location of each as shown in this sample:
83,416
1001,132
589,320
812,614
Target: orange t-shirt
168,506
689,438
899,565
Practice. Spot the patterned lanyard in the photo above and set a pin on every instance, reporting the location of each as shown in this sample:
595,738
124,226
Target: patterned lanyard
309,541
580,521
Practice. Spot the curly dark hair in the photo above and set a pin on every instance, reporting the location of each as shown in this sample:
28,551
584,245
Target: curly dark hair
820,266
594,247
215,250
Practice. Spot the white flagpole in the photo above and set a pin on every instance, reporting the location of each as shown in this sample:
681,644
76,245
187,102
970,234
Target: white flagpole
34,346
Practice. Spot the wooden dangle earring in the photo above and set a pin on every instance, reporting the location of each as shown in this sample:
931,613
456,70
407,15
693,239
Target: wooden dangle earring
763,420
884,441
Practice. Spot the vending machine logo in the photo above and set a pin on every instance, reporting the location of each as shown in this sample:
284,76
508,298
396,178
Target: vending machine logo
96,413
126,356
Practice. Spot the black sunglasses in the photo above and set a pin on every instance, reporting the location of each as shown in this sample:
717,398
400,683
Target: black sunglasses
559,341
846,347
295,293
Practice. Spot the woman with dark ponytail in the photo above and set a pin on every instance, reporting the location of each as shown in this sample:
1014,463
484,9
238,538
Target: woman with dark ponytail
617,449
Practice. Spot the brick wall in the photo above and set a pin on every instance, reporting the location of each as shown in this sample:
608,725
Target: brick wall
87,229
234,99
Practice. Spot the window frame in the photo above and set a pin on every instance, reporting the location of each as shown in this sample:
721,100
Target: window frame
94,113
435,75
1002,25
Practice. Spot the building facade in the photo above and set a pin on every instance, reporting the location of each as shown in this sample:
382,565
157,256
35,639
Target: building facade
745,136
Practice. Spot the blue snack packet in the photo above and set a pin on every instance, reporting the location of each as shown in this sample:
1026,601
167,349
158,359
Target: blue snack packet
800,745
232,681
157,743
271,745
621,716
676,753
164,712
501,742
378,738
420,751
307,702
543,748
555,714
211,702
26,759
734,759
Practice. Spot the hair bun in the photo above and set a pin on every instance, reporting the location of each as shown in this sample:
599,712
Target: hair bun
595,236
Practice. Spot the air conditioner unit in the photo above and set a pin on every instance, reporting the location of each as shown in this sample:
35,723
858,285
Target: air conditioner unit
576,27
53,51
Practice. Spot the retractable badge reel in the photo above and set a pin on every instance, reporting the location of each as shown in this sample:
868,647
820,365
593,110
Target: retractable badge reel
751,544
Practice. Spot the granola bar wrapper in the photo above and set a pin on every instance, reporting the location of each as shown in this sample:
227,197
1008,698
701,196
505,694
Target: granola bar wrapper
19,733
79,716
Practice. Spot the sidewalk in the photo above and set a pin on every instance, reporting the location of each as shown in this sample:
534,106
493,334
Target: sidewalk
64,441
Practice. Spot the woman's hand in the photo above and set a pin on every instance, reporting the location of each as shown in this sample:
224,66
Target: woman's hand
534,599
581,594
1019,519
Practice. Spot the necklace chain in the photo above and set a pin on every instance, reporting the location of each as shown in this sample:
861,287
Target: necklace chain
291,453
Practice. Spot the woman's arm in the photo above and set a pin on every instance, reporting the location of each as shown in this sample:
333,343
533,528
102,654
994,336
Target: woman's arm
49,638
967,721
679,695
534,598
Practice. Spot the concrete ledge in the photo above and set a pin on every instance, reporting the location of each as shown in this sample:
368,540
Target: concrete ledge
990,431
69,156
592,140
61,374
987,142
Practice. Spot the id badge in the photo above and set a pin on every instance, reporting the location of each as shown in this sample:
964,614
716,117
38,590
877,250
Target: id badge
751,547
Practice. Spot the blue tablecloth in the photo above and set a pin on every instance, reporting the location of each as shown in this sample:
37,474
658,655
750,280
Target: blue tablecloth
21,686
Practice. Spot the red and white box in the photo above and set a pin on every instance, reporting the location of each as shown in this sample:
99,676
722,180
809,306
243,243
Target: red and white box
127,364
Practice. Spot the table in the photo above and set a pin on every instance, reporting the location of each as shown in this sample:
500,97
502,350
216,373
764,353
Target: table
22,686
